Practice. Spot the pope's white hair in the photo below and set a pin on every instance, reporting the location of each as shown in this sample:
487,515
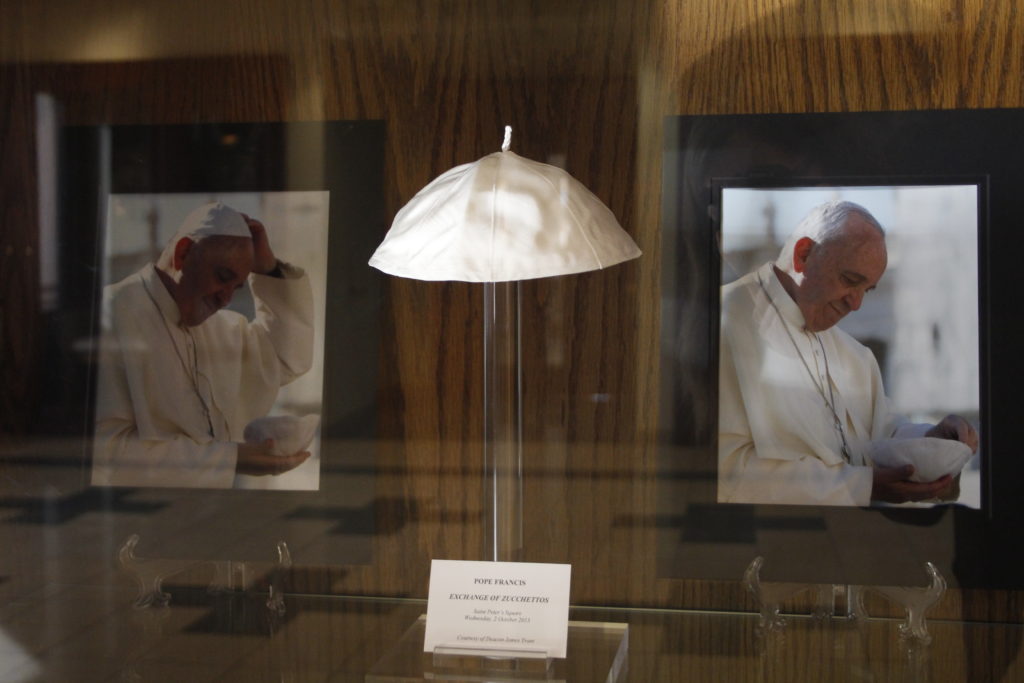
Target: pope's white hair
824,224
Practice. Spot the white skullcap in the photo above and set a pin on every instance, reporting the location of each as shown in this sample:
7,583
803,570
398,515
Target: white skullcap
213,219
208,220
499,219
932,457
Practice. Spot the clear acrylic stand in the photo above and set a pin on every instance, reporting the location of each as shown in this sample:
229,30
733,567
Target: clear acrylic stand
596,651
770,596
916,601
491,663
150,573
275,595
149,630
503,427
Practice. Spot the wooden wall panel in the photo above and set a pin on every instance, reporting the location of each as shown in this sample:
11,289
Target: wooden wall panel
585,85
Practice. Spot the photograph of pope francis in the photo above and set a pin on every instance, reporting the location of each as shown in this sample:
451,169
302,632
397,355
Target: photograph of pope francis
209,372
848,357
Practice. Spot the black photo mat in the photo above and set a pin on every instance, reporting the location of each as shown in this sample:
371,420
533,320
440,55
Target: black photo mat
704,156
342,159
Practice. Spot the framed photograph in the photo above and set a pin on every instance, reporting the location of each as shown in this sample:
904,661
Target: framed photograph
922,331
169,411
217,264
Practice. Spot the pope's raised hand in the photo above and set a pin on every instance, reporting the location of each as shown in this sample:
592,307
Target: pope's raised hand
264,260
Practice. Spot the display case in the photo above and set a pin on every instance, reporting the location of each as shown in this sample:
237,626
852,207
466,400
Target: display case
321,121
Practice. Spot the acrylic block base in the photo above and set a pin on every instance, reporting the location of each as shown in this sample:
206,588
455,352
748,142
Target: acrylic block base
597,652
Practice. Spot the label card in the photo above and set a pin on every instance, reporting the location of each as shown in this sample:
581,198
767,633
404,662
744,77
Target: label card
519,606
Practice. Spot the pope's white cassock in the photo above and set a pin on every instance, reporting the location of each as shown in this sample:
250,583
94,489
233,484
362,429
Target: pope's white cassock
172,401
777,441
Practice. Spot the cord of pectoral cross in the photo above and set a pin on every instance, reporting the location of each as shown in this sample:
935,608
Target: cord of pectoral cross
829,400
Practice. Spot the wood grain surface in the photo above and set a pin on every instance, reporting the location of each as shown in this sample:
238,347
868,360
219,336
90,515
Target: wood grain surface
586,85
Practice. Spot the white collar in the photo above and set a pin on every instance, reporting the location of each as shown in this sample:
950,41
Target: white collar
165,303
788,309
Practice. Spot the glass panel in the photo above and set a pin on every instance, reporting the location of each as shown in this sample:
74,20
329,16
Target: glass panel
112,112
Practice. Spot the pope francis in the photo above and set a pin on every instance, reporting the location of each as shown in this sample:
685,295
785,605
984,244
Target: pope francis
179,377
801,403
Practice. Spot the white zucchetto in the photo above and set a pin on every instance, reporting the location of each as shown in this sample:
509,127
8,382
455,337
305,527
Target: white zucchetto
499,219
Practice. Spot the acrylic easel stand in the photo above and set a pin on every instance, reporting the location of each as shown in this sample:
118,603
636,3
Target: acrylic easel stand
150,615
150,573
148,627
597,652
770,596
916,601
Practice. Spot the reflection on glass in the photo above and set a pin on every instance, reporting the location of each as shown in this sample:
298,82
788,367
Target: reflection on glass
803,410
